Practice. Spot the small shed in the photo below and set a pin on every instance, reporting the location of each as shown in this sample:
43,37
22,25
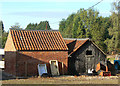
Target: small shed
84,55
26,49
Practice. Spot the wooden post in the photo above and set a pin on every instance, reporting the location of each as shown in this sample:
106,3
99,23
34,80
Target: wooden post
26,69
62,68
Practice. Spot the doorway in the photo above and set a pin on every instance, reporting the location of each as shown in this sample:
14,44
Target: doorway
90,64
42,69
54,67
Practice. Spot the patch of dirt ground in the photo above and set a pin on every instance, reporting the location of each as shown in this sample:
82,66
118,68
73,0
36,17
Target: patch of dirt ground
66,80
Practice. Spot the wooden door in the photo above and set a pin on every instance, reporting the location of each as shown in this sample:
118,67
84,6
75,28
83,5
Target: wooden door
54,67
90,64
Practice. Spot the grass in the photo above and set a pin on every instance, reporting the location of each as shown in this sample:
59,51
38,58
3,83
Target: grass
65,80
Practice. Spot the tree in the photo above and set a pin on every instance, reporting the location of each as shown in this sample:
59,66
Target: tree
3,35
16,26
113,43
75,25
65,26
86,24
31,26
62,26
1,27
43,25
1,32
4,38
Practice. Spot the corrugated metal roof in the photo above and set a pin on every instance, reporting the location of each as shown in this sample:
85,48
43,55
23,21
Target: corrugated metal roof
78,43
38,40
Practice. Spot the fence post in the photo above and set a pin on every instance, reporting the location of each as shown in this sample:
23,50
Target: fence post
26,69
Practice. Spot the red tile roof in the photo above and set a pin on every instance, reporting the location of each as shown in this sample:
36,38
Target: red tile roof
77,43
38,40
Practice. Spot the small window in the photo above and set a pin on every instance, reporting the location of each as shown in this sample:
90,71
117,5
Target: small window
89,52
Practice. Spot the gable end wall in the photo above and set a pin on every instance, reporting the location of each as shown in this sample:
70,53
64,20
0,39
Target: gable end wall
9,46
80,62
10,56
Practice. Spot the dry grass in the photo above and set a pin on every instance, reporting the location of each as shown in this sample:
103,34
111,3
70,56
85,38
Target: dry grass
66,80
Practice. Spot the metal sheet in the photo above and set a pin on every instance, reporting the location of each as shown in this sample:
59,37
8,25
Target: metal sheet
2,64
42,69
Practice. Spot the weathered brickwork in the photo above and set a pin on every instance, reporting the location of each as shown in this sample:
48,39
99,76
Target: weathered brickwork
24,63
10,62
20,61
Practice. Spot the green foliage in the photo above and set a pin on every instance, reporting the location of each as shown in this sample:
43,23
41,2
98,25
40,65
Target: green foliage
31,26
1,27
16,26
4,38
1,31
66,25
3,35
86,24
43,25
113,43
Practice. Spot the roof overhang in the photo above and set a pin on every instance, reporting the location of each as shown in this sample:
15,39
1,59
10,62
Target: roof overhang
86,39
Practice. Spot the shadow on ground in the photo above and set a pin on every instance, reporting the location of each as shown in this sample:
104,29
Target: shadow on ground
6,76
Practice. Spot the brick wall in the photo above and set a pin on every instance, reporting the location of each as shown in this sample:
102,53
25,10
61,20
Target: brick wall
10,56
10,62
23,63
27,61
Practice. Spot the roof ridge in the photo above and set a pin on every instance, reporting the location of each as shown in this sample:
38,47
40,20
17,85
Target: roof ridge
78,46
76,38
32,30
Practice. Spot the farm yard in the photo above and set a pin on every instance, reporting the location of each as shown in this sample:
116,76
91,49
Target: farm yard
78,57
84,47
66,80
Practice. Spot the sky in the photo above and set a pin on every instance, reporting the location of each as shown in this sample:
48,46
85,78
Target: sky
34,11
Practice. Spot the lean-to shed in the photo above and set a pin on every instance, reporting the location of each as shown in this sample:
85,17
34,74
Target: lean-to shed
84,55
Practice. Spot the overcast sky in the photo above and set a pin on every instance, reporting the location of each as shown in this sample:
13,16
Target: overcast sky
34,11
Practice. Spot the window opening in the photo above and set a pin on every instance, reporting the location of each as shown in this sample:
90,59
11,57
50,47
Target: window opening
89,52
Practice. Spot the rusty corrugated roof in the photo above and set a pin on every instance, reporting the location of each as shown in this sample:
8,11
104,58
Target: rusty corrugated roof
37,40
74,44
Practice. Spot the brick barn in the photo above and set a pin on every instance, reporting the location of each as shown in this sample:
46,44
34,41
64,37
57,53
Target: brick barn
84,55
25,49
